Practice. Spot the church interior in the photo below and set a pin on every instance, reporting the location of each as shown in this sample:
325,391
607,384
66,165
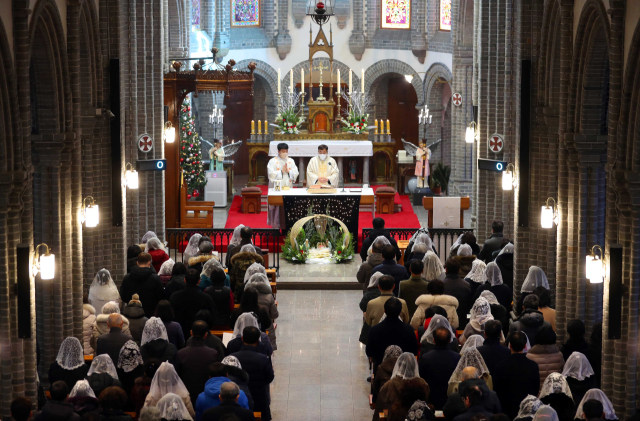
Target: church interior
131,128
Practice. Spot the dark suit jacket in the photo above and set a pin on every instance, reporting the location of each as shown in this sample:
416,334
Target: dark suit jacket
455,404
459,288
111,343
390,332
514,379
217,412
492,244
472,412
493,353
390,267
373,234
260,372
436,368
191,363
187,303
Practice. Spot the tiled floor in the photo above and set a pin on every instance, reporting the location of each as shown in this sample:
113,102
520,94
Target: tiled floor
320,367
344,272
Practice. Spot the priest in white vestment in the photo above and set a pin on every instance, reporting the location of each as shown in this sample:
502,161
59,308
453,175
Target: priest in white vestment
284,169
322,169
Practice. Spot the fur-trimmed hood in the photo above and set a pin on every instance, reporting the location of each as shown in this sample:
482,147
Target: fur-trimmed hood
465,260
200,259
87,310
437,300
247,256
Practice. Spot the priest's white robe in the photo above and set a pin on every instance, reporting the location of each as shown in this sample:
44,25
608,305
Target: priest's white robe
275,167
327,168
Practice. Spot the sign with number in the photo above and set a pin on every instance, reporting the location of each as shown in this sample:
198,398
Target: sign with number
145,143
495,143
457,99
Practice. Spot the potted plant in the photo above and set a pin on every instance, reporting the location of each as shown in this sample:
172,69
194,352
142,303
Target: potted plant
434,185
440,178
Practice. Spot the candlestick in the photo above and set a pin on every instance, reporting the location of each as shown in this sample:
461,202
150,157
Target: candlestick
266,127
291,81
388,127
260,126
253,127
302,85
279,82
350,81
362,82
338,81
376,131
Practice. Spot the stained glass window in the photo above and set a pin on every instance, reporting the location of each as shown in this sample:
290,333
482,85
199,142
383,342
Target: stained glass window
195,14
396,14
445,15
245,13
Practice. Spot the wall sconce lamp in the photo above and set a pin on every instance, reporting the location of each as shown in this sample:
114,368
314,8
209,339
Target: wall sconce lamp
46,265
549,215
131,176
470,135
595,268
169,132
508,178
90,214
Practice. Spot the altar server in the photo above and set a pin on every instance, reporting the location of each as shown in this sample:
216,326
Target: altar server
281,168
322,169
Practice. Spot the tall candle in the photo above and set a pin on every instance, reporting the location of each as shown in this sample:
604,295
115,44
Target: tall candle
338,83
376,132
291,80
266,127
350,81
253,127
302,83
260,126
362,82
388,127
279,82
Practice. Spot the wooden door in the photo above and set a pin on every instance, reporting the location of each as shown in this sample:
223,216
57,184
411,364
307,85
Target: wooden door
403,115
237,126
320,121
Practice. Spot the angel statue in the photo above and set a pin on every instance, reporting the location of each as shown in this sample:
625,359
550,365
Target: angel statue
218,152
423,155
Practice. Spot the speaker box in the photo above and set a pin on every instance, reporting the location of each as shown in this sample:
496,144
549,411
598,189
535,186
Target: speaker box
23,291
615,291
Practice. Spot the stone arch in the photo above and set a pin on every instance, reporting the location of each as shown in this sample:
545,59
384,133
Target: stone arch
628,146
464,27
179,25
375,72
268,78
438,92
344,71
9,109
549,63
435,74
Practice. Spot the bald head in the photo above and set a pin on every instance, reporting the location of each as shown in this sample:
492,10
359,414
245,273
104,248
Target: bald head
470,373
115,320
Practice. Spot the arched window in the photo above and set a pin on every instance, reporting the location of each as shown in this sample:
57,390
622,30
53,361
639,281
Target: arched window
396,14
445,15
195,14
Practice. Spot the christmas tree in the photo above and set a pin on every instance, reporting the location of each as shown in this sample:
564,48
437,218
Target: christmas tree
190,151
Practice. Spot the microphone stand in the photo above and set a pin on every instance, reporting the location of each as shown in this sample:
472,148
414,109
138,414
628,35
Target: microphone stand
343,190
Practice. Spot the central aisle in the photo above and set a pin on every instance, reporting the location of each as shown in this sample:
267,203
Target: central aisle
320,367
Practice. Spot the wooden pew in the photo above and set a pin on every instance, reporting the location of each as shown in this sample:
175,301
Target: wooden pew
257,416
88,358
219,333
402,245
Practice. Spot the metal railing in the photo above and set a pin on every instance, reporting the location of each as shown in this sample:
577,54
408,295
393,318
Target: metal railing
442,239
264,238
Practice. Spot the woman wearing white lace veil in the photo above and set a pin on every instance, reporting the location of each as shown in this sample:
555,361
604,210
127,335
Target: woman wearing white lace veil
579,374
504,260
172,408
371,260
69,364
82,389
130,365
158,254
155,342
599,395
166,381
102,374
83,398
380,242
556,393
535,278
235,238
148,236
498,312
385,370
260,282
480,314
433,268
101,327
424,238
475,277
465,258
205,276
253,269
474,341
494,283
165,271
470,358
546,413
528,408
405,370
103,290
243,321
192,248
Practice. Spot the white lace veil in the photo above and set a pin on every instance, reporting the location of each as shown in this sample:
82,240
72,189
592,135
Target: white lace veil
102,290
599,395
465,250
232,361
480,313
103,364
433,268
166,267
253,269
493,274
110,308
419,411
153,329
153,244
374,280
192,248
424,239
578,367
508,249
149,235
257,278
546,413
456,244
437,321
417,233
130,357
166,380
474,341
406,367
380,242
555,383
529,406
82,389
70,356
208,266
535,278
247,248
476,274
235,238
470,358
490,297
245,320
392,351
172,408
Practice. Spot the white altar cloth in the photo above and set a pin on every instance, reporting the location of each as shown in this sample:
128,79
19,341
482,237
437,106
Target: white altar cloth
446,212
308,148
303,192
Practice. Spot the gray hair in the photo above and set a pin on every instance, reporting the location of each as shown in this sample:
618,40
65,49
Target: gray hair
149,413
470,373
229,391
206,247
419,248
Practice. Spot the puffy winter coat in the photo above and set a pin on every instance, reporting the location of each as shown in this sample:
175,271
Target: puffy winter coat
447,302
198,262
88,318
135,313
100,328
268,301
465,264
239,264
549,359
366,269
158,257
530,323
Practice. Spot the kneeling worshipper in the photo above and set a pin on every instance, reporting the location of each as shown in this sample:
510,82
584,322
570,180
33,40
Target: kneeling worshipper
280,168
322,169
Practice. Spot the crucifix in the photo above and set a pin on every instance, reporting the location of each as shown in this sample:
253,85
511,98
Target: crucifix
321,68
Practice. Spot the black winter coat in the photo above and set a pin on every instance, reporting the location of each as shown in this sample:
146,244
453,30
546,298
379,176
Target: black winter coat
187,303
221,296
460,289
189,365
390,332
175,284
212,341
493,353
492,244
83,404
144,282
369,295
260,372
513,379
502,292
373,234
455,404
579,388
100,381
57,411
529,322
114,416
436,368
241,378
159,349
70,377
563,404
505,263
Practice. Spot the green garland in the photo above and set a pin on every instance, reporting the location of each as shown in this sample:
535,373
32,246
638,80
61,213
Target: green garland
340,252
295,253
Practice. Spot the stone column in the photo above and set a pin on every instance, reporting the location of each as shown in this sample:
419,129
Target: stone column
302,171
365,171
341,166
356,40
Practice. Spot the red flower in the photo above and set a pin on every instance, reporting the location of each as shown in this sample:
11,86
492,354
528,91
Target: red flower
351,124
339,252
